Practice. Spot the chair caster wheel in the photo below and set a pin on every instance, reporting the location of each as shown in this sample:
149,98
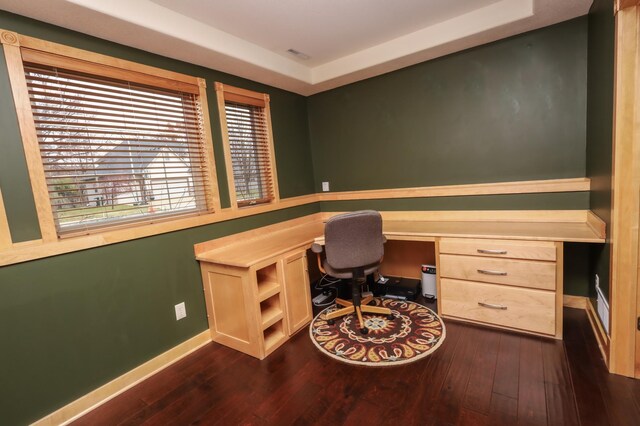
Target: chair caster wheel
331,321
364,330
391,317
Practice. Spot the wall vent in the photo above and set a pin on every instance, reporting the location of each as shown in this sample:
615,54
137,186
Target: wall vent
299,54
603,309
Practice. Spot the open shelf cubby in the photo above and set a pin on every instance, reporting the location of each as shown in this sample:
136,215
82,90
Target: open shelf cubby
267,280
270,310
273,335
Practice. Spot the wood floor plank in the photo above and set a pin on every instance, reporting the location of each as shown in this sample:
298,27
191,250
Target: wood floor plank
453,390
532,407
483,367
112,413
503,411
423,403
472,418
505,381
560,398
204,385
365,412
617,391
159,385
591,407
478,376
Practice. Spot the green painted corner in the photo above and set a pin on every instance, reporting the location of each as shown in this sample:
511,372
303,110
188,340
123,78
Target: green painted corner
576,269
600,69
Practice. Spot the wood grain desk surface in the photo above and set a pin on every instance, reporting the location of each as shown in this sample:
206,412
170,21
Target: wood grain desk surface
252,247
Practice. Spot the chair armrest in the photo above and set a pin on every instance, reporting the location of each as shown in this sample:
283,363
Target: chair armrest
317,248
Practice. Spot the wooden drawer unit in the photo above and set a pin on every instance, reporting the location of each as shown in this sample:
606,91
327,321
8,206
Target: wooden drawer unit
519,308
513,249
506,283
521,273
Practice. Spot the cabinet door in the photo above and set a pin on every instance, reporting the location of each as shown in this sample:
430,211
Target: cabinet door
229,298
297,291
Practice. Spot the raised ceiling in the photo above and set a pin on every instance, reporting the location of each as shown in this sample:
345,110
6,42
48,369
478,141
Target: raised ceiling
346,40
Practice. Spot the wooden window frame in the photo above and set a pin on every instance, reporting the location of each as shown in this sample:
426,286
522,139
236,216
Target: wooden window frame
224,93
18,48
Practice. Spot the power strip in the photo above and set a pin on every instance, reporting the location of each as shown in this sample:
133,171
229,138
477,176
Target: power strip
321,298
393,296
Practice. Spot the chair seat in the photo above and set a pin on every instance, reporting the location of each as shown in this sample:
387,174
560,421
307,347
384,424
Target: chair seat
347,273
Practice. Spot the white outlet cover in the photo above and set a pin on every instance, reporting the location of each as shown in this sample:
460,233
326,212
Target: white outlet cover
181,311
325,186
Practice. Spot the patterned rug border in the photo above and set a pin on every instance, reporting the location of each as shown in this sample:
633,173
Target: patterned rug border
380,364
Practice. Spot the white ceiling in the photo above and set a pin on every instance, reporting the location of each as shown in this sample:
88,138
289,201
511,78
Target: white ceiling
347,40
325,30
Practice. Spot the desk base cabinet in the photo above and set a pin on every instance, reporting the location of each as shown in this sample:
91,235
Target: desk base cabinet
254,310
508,284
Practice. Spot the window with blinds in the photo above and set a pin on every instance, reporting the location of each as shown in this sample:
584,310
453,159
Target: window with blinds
116,151
248,144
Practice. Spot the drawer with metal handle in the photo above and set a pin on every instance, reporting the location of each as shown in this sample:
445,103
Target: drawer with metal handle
518,308
521,273
512,249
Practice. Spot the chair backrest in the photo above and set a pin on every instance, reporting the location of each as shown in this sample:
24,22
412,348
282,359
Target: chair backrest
354,240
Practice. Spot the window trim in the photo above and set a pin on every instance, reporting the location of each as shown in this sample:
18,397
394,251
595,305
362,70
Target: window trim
16,45
224,92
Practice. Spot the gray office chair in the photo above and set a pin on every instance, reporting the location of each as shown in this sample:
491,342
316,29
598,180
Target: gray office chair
354,246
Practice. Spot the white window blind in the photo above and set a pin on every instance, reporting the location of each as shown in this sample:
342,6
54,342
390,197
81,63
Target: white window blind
250,153
115,151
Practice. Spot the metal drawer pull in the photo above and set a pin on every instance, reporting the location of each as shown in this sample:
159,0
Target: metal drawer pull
487,272
492,306
485,251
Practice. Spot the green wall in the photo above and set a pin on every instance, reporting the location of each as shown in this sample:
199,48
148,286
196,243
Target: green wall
511,110
506,111
73,322
600,129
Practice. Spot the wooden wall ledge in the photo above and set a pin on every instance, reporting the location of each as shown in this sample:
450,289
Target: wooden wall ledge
16,252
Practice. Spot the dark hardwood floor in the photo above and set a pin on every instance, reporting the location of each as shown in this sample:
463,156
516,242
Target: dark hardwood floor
478,376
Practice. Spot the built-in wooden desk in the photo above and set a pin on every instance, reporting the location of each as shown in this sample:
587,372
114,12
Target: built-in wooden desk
504,272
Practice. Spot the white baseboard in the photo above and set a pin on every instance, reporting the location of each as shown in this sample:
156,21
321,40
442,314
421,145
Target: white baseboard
129,379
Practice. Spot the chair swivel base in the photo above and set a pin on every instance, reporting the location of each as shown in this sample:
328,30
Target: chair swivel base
349,308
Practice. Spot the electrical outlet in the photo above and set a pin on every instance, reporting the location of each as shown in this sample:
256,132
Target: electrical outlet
597,280
181,311
325,186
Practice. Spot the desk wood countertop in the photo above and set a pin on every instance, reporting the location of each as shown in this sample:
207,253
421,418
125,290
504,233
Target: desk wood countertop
541,231
249,248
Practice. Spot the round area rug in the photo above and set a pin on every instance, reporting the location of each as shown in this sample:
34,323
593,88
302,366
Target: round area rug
415,333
